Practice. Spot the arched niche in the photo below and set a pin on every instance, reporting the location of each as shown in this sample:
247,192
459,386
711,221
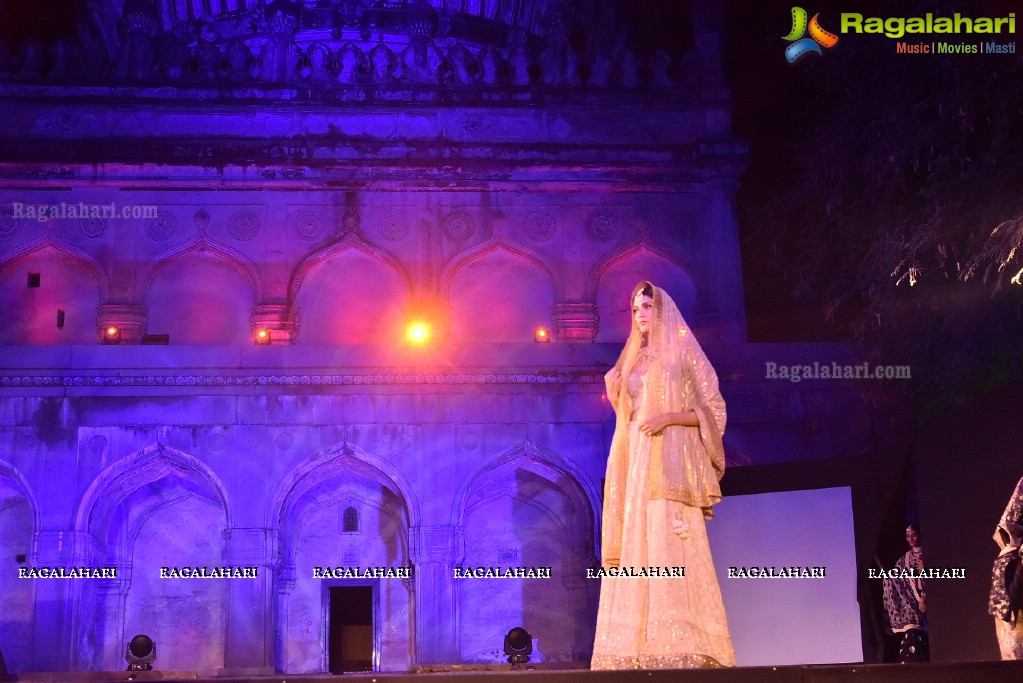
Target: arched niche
499,296
17,526
350,296
200,297
36,284
308,523
156,508
528,508
615,278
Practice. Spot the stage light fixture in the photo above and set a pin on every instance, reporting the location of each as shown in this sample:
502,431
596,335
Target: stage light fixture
518,645
263,336
140,653
60,318
417,333
542,335
112,335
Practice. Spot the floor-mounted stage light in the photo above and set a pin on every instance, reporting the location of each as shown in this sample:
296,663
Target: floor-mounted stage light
542,335
262,336
518,645
112,335
140,653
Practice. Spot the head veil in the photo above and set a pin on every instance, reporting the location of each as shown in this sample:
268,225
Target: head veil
686,463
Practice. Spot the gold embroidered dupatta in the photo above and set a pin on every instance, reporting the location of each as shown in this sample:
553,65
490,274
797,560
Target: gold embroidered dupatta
686,463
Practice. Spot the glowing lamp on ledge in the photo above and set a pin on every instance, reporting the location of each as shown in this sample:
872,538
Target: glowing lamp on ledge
112,335
262,336
417,333
542,335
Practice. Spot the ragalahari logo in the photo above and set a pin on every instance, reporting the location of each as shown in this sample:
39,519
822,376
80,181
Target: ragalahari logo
801,46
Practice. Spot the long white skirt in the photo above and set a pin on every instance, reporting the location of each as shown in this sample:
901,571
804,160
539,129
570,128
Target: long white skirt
659,622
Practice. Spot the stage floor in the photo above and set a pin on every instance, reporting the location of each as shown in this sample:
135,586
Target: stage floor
957,672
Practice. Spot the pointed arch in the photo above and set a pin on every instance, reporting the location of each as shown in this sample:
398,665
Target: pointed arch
143,467
545,463
349,293
486,248
324,465
197,245
60,307
616,256
611,279
476,288
13,474
72,252
350,242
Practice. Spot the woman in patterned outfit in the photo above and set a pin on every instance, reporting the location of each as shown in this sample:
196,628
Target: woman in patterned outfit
905,603
1005,602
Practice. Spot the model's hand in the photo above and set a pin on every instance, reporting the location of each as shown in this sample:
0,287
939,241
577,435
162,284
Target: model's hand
656,424
613,384
923,604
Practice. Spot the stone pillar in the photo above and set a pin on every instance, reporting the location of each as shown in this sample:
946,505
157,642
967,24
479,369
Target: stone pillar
279,55
575,322
140,23
130,319
86,600
283,585
249,633
433,555
52,623
277,320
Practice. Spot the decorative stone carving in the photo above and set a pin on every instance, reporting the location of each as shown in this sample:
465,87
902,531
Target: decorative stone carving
393,225
160,228
540,226
139,22
308,225
284,441
239,60
601,228
201,220
458,226
349,61
93,228
464,70
422,64
492,65
9,225
382,63
208,61
349,223
243,226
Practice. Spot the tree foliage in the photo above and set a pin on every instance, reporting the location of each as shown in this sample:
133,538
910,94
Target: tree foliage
902,201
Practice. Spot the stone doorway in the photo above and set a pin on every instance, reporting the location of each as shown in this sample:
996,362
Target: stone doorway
350,629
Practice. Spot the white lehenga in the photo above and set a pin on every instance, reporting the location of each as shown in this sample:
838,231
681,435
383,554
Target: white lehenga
660,623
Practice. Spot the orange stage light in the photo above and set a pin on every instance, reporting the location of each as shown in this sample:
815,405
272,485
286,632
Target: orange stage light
417,333
542,335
